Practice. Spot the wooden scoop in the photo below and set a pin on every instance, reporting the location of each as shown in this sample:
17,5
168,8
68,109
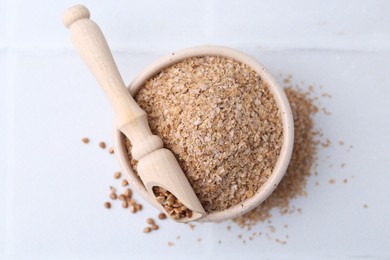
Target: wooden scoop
157,166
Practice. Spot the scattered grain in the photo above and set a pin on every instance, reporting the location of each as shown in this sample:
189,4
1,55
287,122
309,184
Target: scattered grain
326,112
128,193
326,144
117,175
332,181
85,140
282,242
107,205
113,196
147,230
272,229
162,216
133,209
170,243
138,207
365,206
111,150
326,95
125,204
154,227
102,145
132,202
150,221
125,183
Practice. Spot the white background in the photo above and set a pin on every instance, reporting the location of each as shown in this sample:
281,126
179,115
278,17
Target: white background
52,187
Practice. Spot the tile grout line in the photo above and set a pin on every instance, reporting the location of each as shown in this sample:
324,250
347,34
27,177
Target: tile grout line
40,50
10,127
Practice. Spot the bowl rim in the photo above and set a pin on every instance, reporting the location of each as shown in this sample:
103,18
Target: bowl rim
279,95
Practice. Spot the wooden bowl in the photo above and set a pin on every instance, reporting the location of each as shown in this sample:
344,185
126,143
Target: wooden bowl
280,97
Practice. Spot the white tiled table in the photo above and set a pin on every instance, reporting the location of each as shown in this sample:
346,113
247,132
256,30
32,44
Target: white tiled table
52,187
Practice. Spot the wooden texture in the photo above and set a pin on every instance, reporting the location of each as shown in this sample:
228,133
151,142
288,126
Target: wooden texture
157,166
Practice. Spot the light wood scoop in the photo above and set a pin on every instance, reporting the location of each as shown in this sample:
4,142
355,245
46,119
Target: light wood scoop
157,166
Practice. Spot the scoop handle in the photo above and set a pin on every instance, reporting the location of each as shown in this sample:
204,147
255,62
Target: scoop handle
92,46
